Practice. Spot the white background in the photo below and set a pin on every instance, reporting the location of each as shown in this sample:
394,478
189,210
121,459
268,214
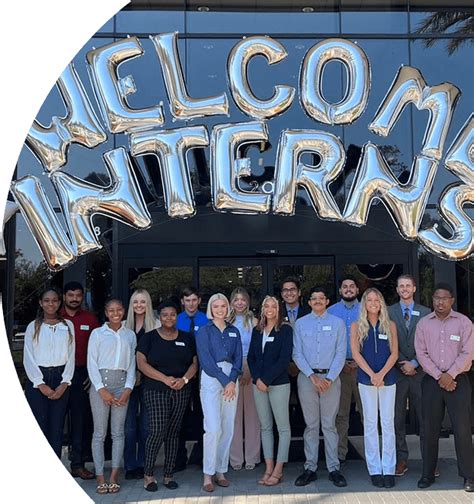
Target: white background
39,39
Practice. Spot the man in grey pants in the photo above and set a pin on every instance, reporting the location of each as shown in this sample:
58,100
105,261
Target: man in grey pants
319,351
406,314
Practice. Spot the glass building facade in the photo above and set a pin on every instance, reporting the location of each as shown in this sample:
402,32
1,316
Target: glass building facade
219,251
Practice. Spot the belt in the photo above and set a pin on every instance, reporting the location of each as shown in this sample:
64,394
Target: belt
52,368
320,371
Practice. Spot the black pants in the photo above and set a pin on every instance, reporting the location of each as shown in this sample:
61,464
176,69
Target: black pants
80,417
193,426
49,413
165,415
458,404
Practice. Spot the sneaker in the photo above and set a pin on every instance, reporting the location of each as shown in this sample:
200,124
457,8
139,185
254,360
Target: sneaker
401,468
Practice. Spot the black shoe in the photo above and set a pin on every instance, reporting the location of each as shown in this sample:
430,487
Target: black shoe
130,475
337,478
389,480
306,478
425,482
139,473
468,485
377,480
342,462
172,485
152,487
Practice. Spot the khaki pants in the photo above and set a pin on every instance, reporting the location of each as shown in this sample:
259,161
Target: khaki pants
348,388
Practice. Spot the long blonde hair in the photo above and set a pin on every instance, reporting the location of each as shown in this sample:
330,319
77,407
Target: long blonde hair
248,315
263,319
150,321
363,323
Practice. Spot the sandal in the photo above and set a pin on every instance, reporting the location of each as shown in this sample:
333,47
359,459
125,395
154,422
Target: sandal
208,487
113,487
264,478
102,488
237,467
222,482
274,480
249,467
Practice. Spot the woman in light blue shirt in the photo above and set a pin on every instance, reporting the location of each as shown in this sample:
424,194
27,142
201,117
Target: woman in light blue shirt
219,350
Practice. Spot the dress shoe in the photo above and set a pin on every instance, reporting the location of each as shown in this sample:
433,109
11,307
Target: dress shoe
130,475
401,468
83,473
468,485
377,480
342,462
388,480
139,473
306,478
171,485
222,482
151,487
337,478
425,482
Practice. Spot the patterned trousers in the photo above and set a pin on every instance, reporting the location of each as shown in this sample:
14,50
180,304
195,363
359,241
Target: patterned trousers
165,409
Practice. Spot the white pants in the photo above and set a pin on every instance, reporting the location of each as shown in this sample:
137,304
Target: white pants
219,419
375,399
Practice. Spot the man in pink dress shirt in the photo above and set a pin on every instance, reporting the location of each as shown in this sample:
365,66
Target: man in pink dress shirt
444,344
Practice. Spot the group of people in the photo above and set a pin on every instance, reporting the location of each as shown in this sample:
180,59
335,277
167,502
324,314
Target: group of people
233,372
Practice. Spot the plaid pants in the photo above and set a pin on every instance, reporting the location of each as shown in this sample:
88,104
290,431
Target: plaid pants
165,409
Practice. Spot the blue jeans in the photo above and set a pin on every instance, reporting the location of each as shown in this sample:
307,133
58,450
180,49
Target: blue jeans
136,431
48,413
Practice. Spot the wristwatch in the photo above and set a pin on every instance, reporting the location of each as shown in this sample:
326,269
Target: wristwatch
186,380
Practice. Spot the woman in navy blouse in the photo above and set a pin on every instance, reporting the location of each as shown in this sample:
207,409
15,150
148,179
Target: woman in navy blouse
219,351
374,347
268,359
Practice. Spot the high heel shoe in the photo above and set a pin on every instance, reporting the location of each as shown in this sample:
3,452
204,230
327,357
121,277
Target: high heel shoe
264,478
274,480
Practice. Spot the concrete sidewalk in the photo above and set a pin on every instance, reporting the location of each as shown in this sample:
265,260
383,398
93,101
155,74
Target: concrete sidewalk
244,488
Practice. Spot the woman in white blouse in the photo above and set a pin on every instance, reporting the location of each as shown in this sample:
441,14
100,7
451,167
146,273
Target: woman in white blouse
111,367
48,359
246,418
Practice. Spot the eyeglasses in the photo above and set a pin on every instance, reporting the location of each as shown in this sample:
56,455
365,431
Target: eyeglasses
292,289
442,298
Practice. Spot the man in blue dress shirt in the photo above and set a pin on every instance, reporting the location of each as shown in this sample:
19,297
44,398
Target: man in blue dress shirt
319,351
190,320
348,310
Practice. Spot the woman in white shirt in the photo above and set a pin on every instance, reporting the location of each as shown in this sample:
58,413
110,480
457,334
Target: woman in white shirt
246,418
48,359
111,367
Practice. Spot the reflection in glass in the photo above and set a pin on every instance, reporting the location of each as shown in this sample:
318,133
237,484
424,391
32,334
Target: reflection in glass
162,282
225,279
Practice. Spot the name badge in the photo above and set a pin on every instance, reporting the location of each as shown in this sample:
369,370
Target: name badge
196,328
383,336
454,337
233,335
415,313
179,343
84,327
271,340
326,328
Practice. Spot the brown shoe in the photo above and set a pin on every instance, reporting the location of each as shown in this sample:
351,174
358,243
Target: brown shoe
401,468
208,487
222,482
83,473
